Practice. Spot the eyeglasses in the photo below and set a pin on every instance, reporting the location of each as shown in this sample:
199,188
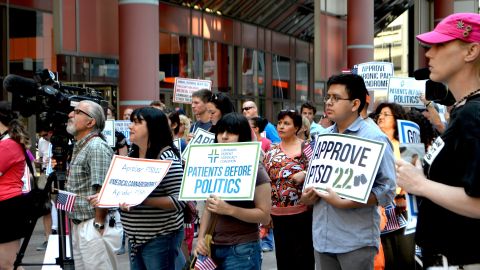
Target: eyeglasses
78,111
246,108
285,110
333,98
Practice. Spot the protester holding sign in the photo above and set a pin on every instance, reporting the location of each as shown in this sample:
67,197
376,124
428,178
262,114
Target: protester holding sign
235,236
218,105
346,234
449,212
199,107
399,249
155,227
14,226
286,163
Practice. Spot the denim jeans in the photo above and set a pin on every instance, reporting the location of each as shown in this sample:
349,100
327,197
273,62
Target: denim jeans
159,253
242,256
268,242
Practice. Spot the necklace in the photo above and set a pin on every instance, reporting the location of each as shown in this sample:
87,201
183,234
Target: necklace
465,98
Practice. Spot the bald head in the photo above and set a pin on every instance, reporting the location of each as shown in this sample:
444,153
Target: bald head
249,109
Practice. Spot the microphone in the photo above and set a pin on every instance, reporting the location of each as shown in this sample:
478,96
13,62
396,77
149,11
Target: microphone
435,91
20,85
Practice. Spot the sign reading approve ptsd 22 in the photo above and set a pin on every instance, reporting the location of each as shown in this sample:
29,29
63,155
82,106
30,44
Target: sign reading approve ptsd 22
228,170
131,180
347,164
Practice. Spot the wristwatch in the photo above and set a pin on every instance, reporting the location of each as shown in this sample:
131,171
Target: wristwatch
98,226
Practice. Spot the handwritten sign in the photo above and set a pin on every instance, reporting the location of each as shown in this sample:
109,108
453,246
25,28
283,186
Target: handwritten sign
183,89
200,136
347,164
228,170
375,74
122,127
406,91
109,132
131,180
408,131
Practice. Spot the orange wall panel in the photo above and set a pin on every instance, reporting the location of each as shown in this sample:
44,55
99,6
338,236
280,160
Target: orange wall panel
174,19
98,27
69,31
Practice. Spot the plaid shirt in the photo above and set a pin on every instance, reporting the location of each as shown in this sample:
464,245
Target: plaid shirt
90,162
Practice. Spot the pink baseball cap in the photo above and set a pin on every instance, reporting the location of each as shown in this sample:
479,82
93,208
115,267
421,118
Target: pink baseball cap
462,26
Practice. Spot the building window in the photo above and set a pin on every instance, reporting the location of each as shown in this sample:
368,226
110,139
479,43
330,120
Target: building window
216,65
173,59
251,72
281,77
31,41
301,86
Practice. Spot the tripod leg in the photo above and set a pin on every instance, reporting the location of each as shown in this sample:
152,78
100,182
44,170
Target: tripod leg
21,252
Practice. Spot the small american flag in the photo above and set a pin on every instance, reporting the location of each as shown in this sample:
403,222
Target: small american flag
308,151
394,222
65,200
204,263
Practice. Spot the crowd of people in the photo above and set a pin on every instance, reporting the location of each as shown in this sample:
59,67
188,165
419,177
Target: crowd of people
307,228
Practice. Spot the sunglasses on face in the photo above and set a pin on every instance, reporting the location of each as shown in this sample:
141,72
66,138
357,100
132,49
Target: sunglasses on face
246,109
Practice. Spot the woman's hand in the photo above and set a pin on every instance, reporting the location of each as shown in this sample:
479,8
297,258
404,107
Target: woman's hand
124,207
309,196
216,205
299,177
409,177
201,247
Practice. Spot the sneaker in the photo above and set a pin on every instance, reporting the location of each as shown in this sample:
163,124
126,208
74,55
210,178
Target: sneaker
266,249
43,246
121,251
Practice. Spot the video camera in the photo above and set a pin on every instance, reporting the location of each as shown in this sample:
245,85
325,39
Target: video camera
51,102
434,91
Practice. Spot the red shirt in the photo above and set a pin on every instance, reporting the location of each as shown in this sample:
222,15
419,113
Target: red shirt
12,166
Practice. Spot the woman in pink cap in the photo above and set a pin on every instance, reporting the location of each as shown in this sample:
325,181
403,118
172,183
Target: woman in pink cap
448,227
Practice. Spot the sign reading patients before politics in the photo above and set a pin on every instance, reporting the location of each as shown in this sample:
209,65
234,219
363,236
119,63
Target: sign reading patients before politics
131,180
109,132
375,74
122,127
408,131
183,89
345,163
200,136
228,170
406,91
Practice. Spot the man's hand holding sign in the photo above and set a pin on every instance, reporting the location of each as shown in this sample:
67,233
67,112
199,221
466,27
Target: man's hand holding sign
342,171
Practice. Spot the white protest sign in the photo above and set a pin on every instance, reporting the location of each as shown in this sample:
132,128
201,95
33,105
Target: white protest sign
200,136
228,170
178,143
406,91
131,180
408,132
109,132
183,89
122,127
376,74
347,164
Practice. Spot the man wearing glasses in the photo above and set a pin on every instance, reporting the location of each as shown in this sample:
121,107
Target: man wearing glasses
346,234
249,110
94,243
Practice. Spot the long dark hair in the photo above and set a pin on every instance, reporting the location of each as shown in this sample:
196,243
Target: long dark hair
222,102
234,123
16,129
159,135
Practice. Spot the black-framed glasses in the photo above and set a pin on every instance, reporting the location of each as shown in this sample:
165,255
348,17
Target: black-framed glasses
333,98
246,108
79,111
